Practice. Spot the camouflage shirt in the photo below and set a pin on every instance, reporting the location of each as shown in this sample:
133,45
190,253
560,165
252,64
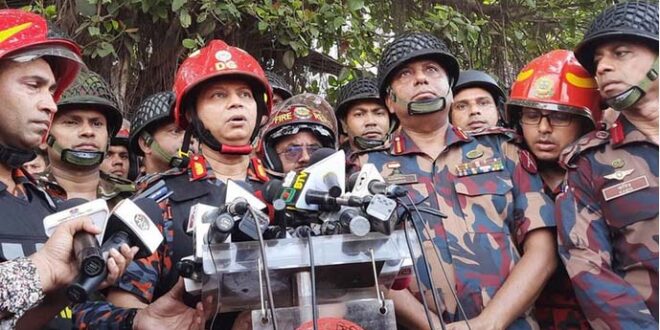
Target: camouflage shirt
111,188
608,226
492,199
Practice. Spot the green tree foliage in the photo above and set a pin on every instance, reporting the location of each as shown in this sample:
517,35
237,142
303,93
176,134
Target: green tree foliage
316,44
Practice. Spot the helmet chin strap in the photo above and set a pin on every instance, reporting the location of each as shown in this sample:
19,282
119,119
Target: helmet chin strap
421,107
365,144
208,139
633,94
76,157
14,157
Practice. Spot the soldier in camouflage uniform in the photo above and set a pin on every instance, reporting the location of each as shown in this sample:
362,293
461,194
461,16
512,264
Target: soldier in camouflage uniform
155,136
363,117
553,102
221,92
607,217
88,114
489,190
478,101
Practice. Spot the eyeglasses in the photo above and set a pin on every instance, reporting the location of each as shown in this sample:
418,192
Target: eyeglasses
293,153
555,118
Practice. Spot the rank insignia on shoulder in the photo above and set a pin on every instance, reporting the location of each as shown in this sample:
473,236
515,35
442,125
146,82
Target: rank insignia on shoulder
480,166
198,167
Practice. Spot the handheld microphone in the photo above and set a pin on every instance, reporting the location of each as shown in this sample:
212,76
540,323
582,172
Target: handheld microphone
130,223
222,224
86,246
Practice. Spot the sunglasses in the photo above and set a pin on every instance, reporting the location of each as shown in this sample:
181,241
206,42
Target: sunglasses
293,153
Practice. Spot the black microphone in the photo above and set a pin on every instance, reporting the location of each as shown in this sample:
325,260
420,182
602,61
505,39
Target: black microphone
130,223
392,190
85,246
272,190
238,206
330,180
327,202
351,181
222,225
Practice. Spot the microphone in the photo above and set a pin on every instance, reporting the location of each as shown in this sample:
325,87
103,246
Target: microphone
238,206
330,179
357,224
130,223
380,187
85,245
222,224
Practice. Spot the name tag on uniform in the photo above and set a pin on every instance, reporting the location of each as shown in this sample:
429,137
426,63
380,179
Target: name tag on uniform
401,179
625,188
480,166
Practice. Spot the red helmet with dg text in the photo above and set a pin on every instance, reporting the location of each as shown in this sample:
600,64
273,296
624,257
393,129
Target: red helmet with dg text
26,36
555,81
217,59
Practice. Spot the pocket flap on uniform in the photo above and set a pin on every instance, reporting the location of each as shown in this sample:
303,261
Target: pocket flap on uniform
493,183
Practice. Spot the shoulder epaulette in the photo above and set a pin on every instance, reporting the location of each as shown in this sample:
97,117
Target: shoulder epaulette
152,178
509,133
258,170
588,141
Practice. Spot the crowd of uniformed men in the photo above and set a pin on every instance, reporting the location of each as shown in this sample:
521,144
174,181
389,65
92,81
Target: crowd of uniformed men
550,192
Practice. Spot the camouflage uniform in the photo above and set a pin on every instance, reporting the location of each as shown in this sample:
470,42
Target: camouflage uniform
111,188
557,307
152,277
608,226
487,188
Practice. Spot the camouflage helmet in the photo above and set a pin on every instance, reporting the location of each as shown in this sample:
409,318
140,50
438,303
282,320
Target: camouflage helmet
361,89
633,20
91,90
279,85
154,108
411,46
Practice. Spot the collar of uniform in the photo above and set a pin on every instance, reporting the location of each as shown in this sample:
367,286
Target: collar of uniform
111,186
402,144
47,181
19,176
624,132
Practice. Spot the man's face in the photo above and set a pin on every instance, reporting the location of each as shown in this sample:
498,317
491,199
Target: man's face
26,91
81,130
545,140
621,64
169,137
294,150
37,165
116,161
277,99
417,81
473,108
228,110
367,119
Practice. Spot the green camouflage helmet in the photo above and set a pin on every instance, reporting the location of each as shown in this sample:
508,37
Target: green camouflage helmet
90,89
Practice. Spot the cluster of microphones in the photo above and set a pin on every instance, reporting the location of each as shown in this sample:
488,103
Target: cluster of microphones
316,201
